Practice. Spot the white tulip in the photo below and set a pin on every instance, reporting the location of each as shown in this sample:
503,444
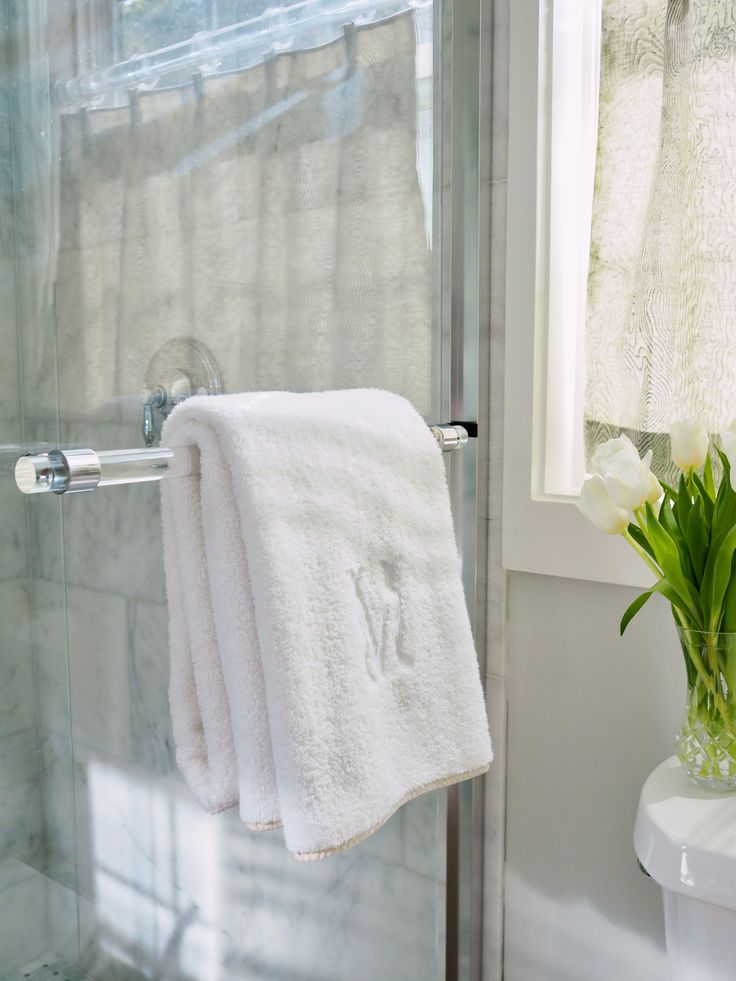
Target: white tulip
655,496
627,478
689,444
599,507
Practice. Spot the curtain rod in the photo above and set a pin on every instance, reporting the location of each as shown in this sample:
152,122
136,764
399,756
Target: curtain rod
276,28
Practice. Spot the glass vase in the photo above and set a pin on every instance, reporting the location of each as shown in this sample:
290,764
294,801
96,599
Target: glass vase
706,744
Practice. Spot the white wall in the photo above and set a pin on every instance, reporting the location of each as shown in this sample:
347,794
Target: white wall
590,715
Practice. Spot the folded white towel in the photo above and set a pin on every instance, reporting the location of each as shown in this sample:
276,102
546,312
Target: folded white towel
323,669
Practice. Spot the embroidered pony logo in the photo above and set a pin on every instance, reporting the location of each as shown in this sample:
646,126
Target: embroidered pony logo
380,601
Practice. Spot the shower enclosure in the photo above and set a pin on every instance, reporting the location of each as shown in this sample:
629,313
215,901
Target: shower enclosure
209,195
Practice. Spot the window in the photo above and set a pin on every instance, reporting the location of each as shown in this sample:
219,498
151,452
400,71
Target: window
569,113
554,50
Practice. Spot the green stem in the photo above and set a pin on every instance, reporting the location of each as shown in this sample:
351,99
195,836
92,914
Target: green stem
643,554
707,679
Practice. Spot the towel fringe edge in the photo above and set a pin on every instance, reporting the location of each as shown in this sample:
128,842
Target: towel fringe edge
417,792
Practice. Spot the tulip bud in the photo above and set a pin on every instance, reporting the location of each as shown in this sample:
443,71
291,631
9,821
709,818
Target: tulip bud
689,444
599,507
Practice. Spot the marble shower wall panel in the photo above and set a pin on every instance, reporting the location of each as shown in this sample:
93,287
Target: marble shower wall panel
174,893
23,924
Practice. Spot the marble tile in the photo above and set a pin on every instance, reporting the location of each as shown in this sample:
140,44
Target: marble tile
7,216
113,537
22,922
45,968
181,894
51,664
387,844
99,669
424,822
37,320
45,531
57,787
9,378
63,921
16,670
21,821
32,133
113,541
152,743
13,871
327,920
13,535
19,759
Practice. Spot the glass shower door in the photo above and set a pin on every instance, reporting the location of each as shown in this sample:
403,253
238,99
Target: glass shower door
198,195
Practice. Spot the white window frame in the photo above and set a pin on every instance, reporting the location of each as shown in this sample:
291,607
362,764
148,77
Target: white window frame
544,532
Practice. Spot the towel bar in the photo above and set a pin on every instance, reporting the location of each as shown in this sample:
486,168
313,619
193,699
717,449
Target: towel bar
73,471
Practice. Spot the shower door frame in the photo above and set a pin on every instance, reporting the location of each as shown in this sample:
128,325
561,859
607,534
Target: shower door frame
463,392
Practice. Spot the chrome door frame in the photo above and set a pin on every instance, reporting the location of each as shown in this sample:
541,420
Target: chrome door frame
462,385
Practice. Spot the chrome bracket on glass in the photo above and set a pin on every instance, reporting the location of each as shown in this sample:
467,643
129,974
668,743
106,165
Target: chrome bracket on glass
73,471
179,369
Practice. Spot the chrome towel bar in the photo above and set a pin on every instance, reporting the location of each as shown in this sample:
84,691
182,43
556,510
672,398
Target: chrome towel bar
73,471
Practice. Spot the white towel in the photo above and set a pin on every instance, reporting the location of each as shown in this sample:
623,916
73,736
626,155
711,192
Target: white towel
323,670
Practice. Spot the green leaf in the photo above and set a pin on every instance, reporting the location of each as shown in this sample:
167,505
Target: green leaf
669,523
708,483
683,504
724,462
701,492
729,603
724,511
665,589
641,539
697,536
633,609
669,560
725,485
716,578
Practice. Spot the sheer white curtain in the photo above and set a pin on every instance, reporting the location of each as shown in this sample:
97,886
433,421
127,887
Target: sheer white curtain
274,214
661,324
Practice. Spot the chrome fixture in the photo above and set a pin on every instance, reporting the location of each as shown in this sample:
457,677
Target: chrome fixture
73,471
450,436
179,369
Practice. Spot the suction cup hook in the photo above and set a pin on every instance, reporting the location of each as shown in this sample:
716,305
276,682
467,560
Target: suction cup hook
179,369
